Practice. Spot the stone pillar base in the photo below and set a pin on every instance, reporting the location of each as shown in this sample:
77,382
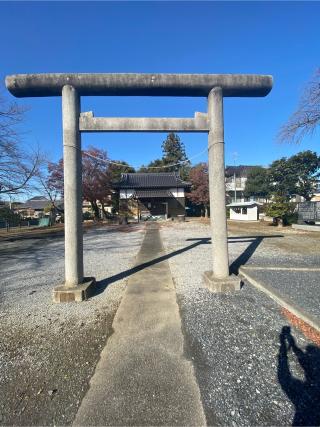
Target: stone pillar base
229,284
77,293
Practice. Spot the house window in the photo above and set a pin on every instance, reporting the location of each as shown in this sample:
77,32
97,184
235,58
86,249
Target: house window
244,211
149,205
237,210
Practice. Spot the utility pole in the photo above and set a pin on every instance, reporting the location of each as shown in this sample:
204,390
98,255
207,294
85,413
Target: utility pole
235,156
10,200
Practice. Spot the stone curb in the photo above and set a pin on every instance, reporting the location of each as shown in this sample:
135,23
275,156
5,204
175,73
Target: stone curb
306,227
281,300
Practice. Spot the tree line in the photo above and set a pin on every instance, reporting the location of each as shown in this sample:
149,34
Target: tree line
279,183
286,177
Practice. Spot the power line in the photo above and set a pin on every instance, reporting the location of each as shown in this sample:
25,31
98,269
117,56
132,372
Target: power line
145,167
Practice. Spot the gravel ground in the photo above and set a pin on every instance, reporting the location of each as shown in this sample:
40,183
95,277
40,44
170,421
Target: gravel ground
48,352
251,369
302,287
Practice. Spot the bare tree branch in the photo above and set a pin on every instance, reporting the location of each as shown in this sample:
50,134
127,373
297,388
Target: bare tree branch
307,117
17,167
47,178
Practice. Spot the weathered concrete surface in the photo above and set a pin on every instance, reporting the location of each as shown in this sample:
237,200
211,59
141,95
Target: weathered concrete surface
228,284
72,170
130,84
88,123
217,186
143,377
76,293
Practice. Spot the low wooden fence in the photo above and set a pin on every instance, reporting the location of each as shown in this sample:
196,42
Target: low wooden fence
34,222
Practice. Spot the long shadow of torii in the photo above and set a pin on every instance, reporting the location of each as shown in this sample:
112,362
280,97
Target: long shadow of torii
234,267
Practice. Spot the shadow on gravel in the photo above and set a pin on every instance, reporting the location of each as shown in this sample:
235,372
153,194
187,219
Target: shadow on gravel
249,251
234,267
32,254
103,284
304,394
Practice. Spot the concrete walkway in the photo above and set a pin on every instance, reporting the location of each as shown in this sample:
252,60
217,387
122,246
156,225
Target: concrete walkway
143,376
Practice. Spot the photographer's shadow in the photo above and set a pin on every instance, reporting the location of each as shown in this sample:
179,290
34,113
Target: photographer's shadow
304,394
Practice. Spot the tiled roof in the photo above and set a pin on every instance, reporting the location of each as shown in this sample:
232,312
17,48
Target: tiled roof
146,194
150,180
38,198
38,203
34,204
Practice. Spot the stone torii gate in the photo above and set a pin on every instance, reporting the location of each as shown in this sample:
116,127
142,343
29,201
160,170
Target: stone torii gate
72,86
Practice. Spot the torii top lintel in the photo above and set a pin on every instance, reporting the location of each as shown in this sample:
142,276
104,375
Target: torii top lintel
129,84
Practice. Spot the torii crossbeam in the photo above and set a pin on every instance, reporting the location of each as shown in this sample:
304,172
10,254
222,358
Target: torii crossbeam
72,86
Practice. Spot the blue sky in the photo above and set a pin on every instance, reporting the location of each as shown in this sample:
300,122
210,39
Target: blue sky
278,38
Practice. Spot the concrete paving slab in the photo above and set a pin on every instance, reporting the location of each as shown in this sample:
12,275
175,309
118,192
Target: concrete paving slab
143,376
296,290
306,227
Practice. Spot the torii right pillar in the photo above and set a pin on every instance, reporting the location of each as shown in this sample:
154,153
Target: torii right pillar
219,279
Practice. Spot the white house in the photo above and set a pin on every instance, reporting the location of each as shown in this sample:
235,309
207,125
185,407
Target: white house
244,211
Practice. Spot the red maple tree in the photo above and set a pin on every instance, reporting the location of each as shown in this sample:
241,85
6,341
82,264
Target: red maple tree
199,179
96,179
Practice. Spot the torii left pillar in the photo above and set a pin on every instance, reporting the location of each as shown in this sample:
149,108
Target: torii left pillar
76,287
